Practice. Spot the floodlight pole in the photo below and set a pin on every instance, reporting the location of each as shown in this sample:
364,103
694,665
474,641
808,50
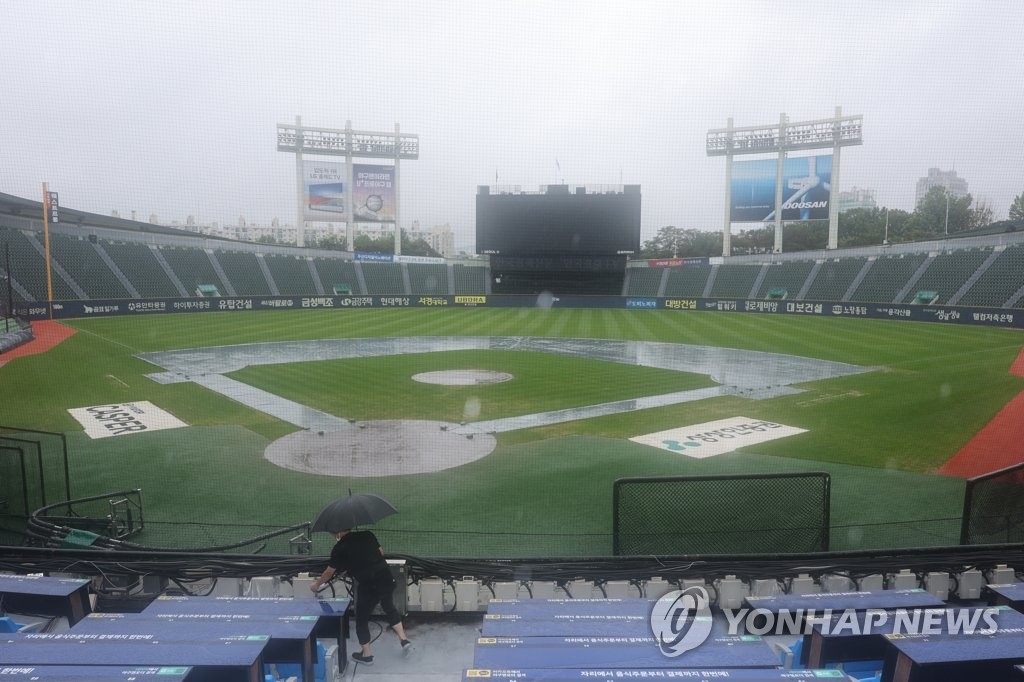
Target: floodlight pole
350,223
398,203
300,187
348,143
833,201
787,136
727,226
779,172
946,231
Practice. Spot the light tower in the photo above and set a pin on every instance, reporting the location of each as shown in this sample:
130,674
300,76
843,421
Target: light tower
837,132
346,143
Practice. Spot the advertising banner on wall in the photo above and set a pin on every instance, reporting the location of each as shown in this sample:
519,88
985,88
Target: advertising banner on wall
325,191
373,193
806,189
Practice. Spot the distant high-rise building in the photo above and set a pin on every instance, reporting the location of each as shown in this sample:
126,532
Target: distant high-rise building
440,238
856,198
954,185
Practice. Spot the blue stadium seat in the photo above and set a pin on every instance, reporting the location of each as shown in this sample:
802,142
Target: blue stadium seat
284,671
8,625
294,670
789,656
320,667
861,670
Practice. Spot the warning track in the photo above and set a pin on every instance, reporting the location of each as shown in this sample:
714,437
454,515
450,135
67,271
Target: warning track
48,334
999,444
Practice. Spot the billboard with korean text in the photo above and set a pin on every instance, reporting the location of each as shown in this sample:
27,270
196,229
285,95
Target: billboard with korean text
373,193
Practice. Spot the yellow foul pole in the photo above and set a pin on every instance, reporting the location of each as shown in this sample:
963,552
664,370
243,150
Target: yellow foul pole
46,240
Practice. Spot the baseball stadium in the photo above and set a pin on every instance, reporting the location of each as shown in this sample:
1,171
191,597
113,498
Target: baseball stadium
561,416
499,423
691,415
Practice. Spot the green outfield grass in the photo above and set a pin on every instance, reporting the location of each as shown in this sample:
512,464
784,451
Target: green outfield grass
544,491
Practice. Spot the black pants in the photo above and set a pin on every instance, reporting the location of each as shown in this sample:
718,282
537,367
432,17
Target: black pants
376,589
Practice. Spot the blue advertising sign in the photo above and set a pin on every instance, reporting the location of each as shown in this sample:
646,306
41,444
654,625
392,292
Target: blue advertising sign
806,189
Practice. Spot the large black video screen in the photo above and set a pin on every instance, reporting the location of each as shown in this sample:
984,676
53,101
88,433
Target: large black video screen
559,222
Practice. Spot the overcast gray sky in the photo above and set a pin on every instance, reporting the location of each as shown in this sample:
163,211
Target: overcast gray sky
171,107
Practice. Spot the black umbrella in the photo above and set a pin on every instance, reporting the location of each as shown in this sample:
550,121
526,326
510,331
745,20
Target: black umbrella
355,509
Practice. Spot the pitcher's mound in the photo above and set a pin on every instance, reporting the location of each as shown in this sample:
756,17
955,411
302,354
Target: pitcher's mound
379,448
462,377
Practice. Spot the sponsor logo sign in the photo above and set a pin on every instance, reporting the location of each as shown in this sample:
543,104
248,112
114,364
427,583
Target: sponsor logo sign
806,189
120,419
715,438
419,259
375,257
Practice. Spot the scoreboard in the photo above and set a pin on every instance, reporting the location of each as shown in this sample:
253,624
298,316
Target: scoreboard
558,222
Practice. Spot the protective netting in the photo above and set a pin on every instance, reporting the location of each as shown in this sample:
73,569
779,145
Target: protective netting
994,508
33,469
746,514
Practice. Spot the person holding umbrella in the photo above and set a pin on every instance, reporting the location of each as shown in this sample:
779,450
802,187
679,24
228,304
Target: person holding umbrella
359,554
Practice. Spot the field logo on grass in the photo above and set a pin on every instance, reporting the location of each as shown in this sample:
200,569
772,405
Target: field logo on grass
103,421
718,437
681,620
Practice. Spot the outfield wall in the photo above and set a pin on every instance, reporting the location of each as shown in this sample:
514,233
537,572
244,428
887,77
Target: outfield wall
988,317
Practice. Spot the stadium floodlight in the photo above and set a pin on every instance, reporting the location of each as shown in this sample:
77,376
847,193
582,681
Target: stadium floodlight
786,136
348,143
